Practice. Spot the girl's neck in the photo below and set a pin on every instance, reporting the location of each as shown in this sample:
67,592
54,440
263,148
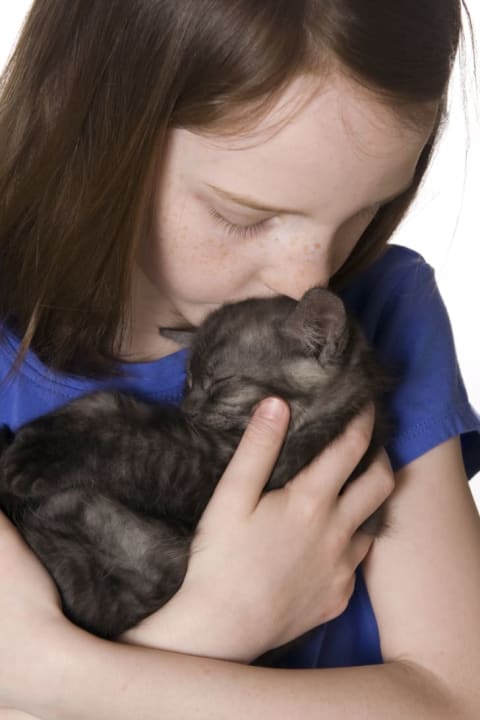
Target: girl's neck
146,345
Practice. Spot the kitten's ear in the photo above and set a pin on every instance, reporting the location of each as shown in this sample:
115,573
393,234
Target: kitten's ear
319,323
181,336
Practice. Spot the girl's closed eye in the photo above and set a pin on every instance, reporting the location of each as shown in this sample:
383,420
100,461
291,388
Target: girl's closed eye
238,230
254,229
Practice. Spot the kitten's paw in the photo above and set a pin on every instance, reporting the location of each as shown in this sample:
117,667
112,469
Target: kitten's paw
33,466
24,486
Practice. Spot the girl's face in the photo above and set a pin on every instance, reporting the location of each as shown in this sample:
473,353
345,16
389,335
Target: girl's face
272,212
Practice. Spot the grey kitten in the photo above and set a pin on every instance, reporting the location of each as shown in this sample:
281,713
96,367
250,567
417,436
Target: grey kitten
108,489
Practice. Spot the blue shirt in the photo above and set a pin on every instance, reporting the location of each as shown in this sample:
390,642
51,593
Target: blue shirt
398,304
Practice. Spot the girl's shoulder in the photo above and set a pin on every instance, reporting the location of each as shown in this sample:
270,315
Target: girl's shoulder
392,285
398,303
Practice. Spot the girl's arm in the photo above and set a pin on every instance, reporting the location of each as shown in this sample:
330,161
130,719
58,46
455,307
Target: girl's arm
241,595
424,583
424,580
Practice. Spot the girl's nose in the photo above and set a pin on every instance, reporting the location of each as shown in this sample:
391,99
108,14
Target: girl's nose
294,274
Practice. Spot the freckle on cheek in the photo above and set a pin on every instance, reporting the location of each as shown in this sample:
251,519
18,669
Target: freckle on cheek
312,249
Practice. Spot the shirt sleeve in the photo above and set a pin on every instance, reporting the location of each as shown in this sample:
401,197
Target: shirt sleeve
405,318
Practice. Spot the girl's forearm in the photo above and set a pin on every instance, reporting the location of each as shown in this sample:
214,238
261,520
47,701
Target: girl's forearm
105,680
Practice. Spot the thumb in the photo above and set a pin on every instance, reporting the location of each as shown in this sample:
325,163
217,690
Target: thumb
242,483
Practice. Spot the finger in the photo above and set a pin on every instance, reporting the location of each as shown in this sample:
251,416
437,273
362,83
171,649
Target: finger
326,474
249,469
359,548
366,493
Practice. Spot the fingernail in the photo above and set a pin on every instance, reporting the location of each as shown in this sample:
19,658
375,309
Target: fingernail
272,408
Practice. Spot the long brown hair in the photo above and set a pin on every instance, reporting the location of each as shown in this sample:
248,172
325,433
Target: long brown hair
88,97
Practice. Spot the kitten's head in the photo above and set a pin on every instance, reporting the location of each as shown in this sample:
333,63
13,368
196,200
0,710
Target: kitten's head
310,353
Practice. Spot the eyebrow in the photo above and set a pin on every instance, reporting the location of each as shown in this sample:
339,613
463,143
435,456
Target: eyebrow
254,205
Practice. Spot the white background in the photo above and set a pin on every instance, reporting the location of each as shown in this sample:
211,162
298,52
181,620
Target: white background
443,223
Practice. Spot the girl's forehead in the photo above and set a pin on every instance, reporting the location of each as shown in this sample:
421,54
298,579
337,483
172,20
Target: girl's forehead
335,134
313,111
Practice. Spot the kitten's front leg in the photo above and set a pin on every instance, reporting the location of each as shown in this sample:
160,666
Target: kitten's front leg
38,461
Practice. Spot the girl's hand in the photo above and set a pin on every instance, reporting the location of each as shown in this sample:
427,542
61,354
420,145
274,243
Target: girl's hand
264,569
30,615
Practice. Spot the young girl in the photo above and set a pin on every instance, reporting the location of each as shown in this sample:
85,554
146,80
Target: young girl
159,158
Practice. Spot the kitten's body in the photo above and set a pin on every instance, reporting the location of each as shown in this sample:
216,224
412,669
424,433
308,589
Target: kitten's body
108,490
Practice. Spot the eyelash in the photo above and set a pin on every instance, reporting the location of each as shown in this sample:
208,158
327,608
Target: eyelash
244,231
